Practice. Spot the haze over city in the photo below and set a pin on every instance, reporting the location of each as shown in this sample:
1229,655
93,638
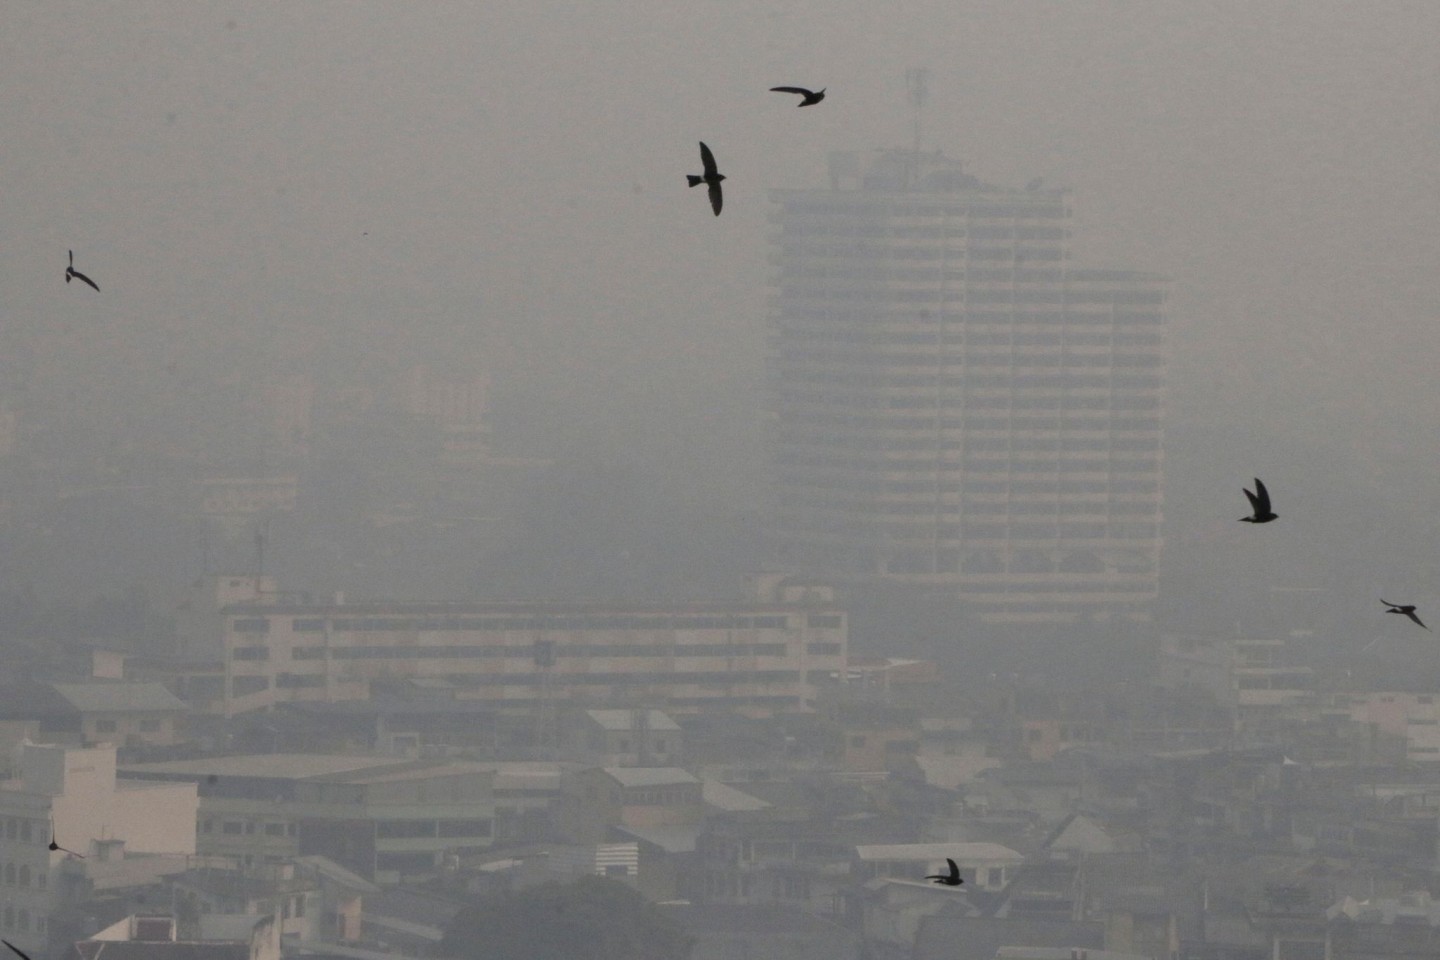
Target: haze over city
412,305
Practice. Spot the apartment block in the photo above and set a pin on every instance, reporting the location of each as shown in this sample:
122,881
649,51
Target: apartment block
954,405
760,657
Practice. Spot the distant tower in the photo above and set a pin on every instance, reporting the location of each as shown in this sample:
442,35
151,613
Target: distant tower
546,720
954,407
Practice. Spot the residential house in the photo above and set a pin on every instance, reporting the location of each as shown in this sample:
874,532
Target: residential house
624,738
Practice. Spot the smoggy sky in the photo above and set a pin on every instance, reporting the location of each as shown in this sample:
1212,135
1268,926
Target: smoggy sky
283,179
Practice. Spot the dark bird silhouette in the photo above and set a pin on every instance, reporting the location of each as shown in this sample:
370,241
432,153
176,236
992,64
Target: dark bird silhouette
811,97
72,274
17,950
1260,503
55,846
1408,610
712,177
951,879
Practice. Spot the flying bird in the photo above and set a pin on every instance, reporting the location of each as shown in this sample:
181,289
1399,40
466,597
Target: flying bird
55,846
1260,503
1408,610
72,274
17,950
712,177
811,97
951,879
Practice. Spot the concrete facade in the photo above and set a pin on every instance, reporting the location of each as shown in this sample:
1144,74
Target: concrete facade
956,407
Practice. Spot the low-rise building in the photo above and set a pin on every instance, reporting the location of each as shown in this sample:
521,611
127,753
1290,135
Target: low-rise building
601,798
387,820
624,738
126,714
70,796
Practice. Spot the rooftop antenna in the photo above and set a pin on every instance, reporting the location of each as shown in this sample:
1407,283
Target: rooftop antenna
917,88
260,531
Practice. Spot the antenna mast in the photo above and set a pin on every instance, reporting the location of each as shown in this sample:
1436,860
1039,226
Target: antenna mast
917,88
259,555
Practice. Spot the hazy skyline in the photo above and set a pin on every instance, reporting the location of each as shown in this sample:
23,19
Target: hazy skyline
267,185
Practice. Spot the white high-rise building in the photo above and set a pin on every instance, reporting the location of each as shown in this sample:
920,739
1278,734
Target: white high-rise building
953,405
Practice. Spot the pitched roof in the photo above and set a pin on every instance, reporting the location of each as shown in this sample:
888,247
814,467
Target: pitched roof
949,937
674,838
161,950
1079,833
625,719
649,776
34,701
119,697
281,766
333,871
723,797
926,852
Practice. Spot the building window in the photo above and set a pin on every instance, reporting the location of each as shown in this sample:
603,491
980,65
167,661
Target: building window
104,726
827,621
465,828
397,829
274,829
232,828
241,686
415,862
250,653
252,625
150,725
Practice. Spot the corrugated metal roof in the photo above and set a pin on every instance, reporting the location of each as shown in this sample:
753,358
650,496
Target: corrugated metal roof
675,838
119,697
723,797
330,869
649,776
927,852
625,719
285,766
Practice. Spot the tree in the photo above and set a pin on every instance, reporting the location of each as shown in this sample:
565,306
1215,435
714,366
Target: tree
589,919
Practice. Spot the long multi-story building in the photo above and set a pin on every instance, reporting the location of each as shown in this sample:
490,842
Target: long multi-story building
953,405
758,657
